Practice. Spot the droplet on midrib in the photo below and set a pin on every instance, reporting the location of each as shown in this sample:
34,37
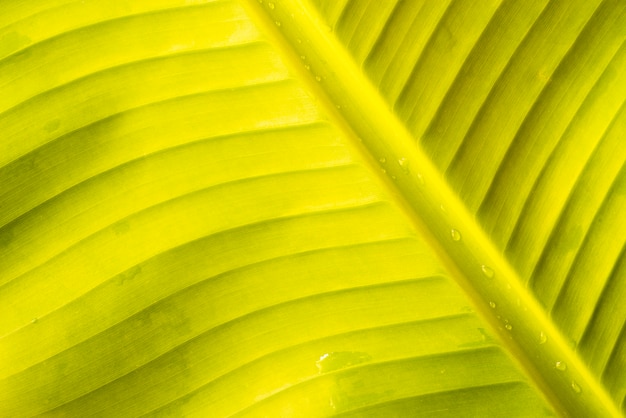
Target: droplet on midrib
542,338
487,271
456,235
576,388
560,366
493,305
404,165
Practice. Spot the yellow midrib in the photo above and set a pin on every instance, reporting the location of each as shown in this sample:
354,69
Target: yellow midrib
358,109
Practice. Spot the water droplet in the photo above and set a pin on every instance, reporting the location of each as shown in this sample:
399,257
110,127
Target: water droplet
383,160
302,57
404,164
52,126
508,327
560,366
277,23
271,5
338,106
308,67
576,388
318,78
443,208
383,170
340,359
492,304
34,320
420,178
299,40
487,271
542,338
456,235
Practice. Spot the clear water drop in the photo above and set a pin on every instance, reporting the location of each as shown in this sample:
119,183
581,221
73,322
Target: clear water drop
487,271
277,23
302,57
560,366
456,235
404,164
318,78
383,170
493,305
271,5
383,160
340,359
542,338
308,67
299,40
508,327
575,387
420,178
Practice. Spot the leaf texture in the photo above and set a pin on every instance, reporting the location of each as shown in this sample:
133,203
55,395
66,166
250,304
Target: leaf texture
222,208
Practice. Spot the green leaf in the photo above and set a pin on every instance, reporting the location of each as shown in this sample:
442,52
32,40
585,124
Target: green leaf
312,208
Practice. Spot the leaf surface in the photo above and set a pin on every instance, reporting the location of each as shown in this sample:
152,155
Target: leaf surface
325,208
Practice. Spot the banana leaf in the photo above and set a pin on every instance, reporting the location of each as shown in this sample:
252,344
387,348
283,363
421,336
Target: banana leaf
309,208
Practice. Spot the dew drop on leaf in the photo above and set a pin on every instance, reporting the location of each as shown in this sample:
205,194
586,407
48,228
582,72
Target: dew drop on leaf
493,305
508,327
456,235
271,5
487,271
542,338
340,359
561,366
383,160
277,23
420,178
575,387
404,164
